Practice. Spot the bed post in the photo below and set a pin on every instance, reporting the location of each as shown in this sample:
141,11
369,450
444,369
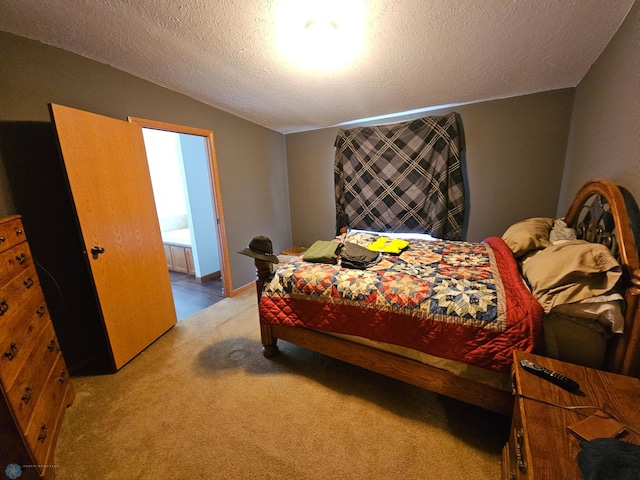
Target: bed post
623,355
263,275
631,360
269,342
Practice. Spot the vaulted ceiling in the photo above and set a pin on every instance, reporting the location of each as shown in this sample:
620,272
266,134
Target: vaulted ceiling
253,58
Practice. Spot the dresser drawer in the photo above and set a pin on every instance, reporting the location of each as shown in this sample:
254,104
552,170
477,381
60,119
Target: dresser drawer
43,429
16,323
4,237
515,453
13,290
18,345
15,259
30,382
507,468
27,283
11,233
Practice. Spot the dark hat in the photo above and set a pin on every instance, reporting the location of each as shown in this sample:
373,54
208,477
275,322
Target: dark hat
260,247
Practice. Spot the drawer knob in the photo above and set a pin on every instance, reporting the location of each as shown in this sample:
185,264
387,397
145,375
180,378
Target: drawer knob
40,311
12,352
4,306
96,250
19,232
21,258
27,395
63,376
52,345
2,239
28,283
522,464
43,433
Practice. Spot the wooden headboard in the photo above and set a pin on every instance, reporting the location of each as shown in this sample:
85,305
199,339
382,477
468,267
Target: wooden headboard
605,213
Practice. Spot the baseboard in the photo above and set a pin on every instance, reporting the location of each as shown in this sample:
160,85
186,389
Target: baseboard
207,277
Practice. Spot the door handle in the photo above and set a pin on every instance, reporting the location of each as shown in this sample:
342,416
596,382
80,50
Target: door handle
95,251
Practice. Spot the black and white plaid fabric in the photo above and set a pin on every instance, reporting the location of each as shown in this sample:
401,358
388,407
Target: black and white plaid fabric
402,177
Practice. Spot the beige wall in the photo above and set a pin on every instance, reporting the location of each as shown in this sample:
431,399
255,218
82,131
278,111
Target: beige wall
604,141
251,159
283,186
515,152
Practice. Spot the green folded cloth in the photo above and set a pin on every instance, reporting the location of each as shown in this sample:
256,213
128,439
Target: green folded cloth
323,251
383,244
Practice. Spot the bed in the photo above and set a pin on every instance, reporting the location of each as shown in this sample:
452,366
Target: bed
458,341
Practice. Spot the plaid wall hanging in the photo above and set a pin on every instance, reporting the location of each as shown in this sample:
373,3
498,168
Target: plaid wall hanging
402,177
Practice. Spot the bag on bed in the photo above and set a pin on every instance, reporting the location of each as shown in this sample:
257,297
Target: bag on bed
356,256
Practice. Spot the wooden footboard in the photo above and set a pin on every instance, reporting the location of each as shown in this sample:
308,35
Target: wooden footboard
410,371
627,360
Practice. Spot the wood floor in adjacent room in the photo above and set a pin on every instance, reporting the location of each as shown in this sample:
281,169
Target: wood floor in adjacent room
190,296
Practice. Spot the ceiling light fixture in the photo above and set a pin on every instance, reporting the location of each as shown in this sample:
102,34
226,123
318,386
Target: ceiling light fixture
321,41
321,35
323,25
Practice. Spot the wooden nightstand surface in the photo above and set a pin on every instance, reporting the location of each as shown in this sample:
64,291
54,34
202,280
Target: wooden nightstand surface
293,251
550,450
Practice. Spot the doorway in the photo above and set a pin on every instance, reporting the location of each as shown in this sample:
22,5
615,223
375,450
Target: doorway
184,175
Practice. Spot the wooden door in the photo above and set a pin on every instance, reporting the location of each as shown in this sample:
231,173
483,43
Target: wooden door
106,165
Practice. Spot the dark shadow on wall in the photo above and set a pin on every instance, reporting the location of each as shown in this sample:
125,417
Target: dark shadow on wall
41,195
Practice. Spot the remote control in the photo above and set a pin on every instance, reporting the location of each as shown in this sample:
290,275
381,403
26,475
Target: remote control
550,375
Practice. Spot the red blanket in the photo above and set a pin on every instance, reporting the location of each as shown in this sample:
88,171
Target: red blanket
456,300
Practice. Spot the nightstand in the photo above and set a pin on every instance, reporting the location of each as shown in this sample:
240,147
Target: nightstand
293,251
540,445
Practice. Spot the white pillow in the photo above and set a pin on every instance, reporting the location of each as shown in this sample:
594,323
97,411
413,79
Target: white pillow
560,231
606,309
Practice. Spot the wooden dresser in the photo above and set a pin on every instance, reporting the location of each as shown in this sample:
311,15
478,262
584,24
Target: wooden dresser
540,445
34,380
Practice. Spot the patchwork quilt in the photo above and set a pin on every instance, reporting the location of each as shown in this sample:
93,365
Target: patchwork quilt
456,300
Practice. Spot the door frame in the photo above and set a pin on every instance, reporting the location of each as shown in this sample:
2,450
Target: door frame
214,182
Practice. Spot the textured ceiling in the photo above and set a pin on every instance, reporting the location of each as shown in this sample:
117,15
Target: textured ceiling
414,54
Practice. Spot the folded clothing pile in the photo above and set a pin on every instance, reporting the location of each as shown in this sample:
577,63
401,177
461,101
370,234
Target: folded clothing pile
323,251
388,245
351,255
357,256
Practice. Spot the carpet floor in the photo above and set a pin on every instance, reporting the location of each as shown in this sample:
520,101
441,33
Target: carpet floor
203,403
